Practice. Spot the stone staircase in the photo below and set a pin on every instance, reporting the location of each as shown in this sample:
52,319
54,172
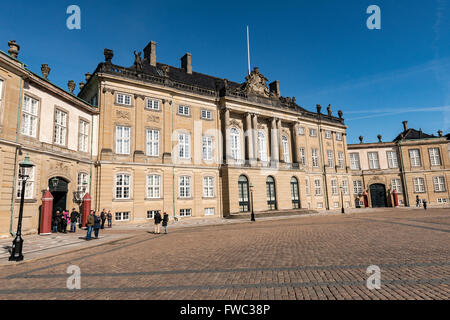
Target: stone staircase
272,213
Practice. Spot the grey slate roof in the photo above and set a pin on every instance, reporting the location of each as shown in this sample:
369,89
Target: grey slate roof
413,134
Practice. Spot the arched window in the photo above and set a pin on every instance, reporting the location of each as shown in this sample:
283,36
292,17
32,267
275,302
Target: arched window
244,205
271,193
285,143
262,146
294,193
235,137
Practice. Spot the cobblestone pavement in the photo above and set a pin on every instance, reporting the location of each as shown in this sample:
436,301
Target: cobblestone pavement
318,257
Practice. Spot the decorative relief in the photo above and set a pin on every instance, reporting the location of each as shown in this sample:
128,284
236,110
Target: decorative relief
234,122
256,83
152,118
105,89
139,96
122,114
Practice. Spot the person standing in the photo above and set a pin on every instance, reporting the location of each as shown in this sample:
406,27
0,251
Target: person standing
417,201
165,221
59,220
97,224
65,221
73,220
424,204
103,217
109,216
90,225
157,222
55,223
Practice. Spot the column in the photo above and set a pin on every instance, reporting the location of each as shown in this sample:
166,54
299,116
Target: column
139,131
166,135
226,134
249,137
255,135
295,151
274,148
280,142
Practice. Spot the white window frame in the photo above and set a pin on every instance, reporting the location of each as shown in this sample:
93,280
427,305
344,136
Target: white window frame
208,187
151,213
301,130
354,161
185,212
315,157
29,116
123,139
435,156
357,187
184,110
235,144
344,184
419,185
152,104
123,190
392,159
83,136
206,114
339,136
207,148
209,211
184,186
123,99
29,185
317,187
327,134
184,145
152,142
374,160
439,183
262,146
302,155
307,189
123,216
82,178
286,153
334,187
153,183
330,158
396,184
414,156
341,160
312,132
60,127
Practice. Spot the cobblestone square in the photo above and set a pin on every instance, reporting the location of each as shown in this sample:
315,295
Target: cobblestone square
304,257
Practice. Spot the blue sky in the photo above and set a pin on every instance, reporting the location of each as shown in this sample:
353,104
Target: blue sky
320,51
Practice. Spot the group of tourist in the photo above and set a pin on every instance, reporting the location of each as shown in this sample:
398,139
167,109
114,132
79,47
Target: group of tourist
62,218
96,221
158,219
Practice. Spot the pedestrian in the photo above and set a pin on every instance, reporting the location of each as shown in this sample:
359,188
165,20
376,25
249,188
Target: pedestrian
97,224
157,222
65,221
90,225
417,201
165,221
103,217
109,216
59,220
424,204
55,223
73,220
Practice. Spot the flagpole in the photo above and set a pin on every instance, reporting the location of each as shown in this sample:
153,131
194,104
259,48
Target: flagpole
248,50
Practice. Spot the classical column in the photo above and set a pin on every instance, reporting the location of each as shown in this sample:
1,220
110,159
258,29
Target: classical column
295,151
139,130
274,148
249,137
280,141
255,136
166,115
226,134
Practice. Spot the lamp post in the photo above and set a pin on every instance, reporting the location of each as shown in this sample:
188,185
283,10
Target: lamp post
251,195
17,245
342,198
78,197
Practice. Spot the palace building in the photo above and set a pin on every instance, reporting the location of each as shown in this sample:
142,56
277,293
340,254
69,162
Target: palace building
154,137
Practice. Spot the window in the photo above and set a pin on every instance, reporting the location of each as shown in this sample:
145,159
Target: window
185,212
419,185
354,161
327,134
302,156
122,140
357,187
435,157
29,116
396,185
344,185
262,146
209,211
206,114
294,193
184,145
285,144
336,204
208,187
373,160
122,216
330,159
338,136
301,130
439,184
307,187
60,127
317,187
184,110
442,200
392,159
83,136
152,142
29,185
123,99
185,187
341,160
315,158
312,132
207,148
153,186
319,205
414,156
82,183
334,187
151,213
122,186
235,144
152,104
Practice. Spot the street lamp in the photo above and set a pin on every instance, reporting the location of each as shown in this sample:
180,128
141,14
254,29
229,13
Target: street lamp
342,198
54,181
251,195
16,251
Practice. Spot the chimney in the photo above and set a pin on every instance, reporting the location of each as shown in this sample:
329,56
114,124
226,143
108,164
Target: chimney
45,69
150,53
318,106
440,133
88,76
405,125
13,49
81,85
379,138
361,139
186,63
275,88
71,86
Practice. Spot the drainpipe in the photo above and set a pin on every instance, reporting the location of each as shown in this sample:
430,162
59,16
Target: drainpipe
405,186
19,109
90,166
173,166
327,205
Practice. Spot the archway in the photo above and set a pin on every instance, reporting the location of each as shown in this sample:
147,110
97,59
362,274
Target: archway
294,193
59,188
378,195
244,205
271,193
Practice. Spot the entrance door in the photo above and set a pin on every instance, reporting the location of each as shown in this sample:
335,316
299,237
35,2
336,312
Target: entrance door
58,188
294,193
378,195
271,195
244,205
